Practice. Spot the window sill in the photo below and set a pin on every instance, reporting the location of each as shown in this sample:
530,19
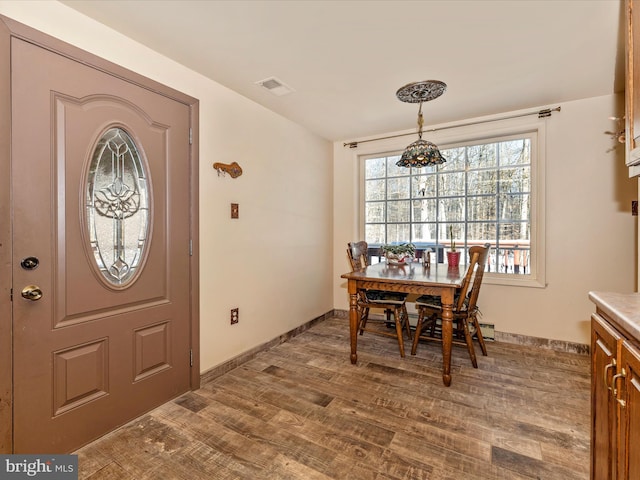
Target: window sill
513,280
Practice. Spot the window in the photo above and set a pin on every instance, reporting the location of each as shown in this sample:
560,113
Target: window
117,207
485,192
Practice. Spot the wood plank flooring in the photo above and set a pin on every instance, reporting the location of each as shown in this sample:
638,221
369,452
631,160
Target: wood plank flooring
302,411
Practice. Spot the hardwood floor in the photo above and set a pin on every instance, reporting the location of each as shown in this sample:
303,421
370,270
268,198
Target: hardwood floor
301,411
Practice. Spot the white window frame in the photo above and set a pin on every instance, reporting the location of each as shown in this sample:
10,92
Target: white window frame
479,133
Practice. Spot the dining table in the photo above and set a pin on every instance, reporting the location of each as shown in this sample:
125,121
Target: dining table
413,278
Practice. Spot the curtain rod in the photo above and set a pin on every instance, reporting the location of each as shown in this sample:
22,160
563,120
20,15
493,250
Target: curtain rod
541,114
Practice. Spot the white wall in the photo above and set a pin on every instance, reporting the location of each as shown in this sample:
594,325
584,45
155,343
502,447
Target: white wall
271,263
287,217
590,233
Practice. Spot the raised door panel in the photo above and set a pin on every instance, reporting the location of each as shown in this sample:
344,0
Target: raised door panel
604,344
629,449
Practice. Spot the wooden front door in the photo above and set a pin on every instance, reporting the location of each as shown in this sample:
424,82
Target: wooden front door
102,306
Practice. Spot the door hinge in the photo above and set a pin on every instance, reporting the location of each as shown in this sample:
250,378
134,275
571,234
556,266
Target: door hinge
191,357
190,137
11,295
190,247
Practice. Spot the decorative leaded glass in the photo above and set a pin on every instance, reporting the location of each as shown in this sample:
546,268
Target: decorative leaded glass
117,206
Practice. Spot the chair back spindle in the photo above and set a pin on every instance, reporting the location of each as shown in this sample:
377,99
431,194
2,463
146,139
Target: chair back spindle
473,261
480,264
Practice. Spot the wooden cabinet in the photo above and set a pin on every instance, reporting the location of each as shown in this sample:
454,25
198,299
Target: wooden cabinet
615,402
632,87
631,51
628,463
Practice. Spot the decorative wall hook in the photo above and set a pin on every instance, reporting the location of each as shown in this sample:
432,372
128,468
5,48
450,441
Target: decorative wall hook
232,169
619,134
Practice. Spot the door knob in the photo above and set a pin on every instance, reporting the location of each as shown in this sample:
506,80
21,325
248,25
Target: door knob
32,292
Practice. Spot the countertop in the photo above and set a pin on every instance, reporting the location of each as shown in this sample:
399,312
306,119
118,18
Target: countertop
622,308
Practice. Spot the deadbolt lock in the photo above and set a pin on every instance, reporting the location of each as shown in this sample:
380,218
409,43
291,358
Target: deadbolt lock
30,263
32,292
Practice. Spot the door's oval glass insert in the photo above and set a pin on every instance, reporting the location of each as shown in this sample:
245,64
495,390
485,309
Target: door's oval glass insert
117,207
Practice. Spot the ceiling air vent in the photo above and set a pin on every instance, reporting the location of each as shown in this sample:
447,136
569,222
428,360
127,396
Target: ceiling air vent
275,86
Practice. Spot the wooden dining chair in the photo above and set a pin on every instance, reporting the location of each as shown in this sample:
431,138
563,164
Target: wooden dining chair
393,303
465,309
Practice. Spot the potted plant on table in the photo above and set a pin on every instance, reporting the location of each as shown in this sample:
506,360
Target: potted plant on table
398,254
453,255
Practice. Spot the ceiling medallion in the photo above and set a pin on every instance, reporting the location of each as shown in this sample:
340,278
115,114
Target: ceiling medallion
417,92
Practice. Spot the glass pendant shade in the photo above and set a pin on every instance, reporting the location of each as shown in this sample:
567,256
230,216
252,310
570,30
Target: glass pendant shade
421,153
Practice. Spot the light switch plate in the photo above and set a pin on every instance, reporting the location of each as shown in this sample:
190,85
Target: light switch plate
235,210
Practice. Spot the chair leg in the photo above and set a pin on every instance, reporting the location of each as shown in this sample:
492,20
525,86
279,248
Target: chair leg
416,334
483,347
364,316
469,340
432,330
405,320
397,314
388,313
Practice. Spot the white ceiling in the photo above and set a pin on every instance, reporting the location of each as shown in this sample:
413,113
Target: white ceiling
346,59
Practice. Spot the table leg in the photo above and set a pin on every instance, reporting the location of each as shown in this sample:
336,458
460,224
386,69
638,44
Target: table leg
447,334
353,322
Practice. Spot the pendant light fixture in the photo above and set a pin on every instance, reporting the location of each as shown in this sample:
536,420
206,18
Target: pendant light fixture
421,153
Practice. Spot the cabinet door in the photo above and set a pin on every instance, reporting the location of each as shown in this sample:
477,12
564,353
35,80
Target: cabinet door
632,64
629,439
604,344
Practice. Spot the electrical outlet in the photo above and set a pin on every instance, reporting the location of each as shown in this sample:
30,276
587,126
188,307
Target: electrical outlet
235,317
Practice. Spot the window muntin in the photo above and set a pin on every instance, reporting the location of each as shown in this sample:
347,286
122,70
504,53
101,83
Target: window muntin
484,191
